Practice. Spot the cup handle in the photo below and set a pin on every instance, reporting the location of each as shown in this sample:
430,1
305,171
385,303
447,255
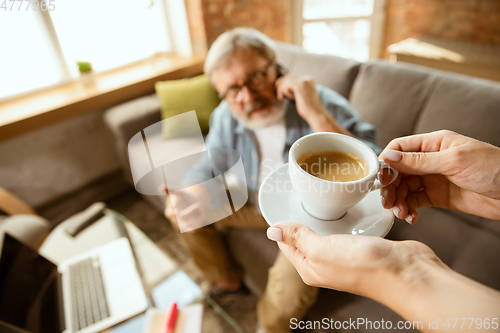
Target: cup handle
383,165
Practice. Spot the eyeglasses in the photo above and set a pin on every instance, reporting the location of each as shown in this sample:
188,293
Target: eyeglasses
256,82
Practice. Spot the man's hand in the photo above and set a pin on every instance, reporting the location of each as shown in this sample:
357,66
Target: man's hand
443,169
302,89
190,214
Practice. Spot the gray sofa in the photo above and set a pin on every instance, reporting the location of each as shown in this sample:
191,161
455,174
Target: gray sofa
399,99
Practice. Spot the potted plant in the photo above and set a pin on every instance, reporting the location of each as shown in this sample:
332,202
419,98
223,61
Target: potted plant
85,69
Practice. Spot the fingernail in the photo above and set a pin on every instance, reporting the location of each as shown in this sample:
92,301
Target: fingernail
275,234
393,155
409,219
383,200
396,211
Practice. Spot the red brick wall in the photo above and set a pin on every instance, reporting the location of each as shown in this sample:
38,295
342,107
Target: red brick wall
209,18
196,23
474,20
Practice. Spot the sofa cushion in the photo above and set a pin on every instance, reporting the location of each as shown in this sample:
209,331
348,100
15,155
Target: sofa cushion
478,258
391,96
126,119
179,96
466,105
333,72
442,232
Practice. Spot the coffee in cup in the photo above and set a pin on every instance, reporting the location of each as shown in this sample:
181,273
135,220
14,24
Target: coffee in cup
334,166
331,199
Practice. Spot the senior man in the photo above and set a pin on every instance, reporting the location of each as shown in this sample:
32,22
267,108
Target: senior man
263,111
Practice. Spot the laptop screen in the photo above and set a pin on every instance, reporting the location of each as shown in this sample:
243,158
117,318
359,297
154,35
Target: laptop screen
28,289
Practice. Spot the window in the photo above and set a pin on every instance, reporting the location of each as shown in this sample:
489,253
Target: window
119,32
27,60
347,28
40,47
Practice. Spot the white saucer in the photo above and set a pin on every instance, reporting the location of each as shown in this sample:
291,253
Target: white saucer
280,203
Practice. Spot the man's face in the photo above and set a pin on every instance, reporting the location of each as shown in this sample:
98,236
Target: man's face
255,109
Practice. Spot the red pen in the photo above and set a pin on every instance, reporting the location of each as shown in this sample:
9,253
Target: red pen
172,318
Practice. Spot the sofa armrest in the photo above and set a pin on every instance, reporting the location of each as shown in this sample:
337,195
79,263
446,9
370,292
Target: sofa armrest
30,230
12,205
126,119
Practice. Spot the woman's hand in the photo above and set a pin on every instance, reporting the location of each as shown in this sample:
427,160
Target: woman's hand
404,276
443,169
363,265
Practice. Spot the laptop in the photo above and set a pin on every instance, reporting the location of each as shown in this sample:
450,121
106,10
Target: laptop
86,293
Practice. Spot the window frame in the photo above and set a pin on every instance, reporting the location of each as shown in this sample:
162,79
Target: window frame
377,20
173,11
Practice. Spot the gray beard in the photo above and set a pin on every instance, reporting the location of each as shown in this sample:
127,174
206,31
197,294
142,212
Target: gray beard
272,116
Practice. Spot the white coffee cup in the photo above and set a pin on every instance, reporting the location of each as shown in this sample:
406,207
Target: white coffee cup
329,200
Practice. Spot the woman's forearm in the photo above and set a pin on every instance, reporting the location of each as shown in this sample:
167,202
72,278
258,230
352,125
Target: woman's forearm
430,293
477,204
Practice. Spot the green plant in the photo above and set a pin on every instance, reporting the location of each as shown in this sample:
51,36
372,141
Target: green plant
84,67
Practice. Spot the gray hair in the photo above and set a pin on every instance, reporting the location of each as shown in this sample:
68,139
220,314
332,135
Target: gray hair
236,39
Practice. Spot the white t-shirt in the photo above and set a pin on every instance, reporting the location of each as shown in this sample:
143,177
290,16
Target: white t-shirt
271,142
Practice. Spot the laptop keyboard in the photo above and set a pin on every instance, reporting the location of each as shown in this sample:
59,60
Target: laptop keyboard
88,300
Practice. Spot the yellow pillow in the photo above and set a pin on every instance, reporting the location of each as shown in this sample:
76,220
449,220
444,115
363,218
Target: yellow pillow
179,96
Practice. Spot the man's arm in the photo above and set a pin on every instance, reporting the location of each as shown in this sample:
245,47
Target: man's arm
308,103
325,110
345,115
324,122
